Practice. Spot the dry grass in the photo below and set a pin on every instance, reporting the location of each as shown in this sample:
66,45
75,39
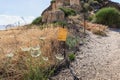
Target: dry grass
25,38
95,28
11,41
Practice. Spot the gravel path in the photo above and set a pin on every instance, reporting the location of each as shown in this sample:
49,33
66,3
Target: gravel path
99,59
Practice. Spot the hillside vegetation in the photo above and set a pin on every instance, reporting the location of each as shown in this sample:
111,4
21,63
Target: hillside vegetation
108,16
26,54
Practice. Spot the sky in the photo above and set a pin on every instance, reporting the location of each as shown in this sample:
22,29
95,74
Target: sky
24,7
12,10
116,1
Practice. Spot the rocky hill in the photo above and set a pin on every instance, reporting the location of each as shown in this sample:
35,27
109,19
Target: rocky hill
112,4
89,64
53,13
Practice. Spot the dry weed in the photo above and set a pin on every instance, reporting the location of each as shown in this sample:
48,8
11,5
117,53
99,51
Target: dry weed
98,29
22,48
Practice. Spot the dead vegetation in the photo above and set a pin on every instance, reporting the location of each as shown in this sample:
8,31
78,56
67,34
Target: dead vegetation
23,50
97,29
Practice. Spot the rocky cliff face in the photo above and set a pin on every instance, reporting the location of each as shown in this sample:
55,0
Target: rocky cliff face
74,2
53,16
112,4
53,13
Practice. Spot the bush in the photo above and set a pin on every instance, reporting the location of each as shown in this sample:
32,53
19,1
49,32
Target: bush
52,1
68,11
37,21
71,57
39,73
35,74
61,23
71,42
108,16
91,17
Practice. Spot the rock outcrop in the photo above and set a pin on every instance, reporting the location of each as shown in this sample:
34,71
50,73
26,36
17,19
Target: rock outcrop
112,4
54,14
74,2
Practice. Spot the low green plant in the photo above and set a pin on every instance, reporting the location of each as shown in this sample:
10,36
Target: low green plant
37,71
35,64
36,74
108,16
71,56
68,11
91,17
61,23
52,1
71,42
37,21
87,7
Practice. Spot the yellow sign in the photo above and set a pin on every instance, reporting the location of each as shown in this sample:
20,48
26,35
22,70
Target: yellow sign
62,34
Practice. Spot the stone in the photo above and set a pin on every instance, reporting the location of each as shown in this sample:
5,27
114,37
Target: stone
56,5
53,6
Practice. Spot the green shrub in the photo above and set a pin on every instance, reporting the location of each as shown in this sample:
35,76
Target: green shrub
35,74
68,11
72,57
61,23
91,17
108,16
38,73
87,7
52,1
71,42
37,21
93,2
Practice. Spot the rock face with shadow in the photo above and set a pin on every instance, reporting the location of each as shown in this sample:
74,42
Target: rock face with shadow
112,4
54,14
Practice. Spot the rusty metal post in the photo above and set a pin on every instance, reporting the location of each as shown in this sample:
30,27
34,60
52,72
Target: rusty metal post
84,25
